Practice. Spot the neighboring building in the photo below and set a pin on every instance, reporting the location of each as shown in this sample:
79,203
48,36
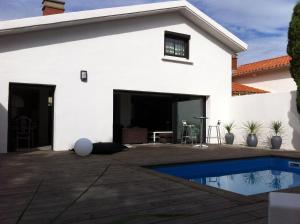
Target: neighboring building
93,73
240,89
270,75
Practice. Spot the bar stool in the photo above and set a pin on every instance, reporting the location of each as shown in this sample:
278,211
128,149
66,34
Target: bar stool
188,132
217,127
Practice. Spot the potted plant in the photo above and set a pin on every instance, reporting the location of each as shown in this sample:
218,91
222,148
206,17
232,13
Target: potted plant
229,136
252,128
276,140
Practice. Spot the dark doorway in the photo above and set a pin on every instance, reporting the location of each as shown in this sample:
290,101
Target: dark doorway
155,111
30,116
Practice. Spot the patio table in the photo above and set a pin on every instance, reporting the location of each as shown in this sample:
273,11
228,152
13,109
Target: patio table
154,133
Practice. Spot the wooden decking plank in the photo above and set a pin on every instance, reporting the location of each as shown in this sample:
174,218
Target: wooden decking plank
127,191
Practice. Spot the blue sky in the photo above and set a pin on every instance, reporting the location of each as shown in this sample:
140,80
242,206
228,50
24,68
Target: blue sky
262,24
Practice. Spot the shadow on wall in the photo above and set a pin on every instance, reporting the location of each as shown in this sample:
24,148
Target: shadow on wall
3,128
294,121
77,33
93,30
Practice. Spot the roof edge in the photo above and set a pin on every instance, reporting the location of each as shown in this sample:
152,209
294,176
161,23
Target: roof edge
260,67
238,87
105,14
217,27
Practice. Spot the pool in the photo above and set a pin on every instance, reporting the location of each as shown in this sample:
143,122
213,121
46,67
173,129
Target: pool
243,176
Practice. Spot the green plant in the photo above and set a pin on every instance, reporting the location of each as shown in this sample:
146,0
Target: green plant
229,127
252,127
293,49
277,127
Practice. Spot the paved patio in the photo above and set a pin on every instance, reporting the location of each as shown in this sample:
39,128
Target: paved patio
60,187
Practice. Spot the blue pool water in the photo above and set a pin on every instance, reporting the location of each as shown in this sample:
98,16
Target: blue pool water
243,176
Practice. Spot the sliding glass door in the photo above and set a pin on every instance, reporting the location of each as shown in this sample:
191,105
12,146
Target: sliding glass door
187,111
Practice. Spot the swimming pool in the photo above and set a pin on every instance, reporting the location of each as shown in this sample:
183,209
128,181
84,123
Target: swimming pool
243,176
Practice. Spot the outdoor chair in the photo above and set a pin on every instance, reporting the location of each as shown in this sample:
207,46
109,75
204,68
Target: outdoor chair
24,131
188,132
218,133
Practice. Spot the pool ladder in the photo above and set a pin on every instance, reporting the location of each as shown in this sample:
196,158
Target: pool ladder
294,164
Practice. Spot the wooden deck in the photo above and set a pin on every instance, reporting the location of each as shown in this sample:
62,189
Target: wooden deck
60,187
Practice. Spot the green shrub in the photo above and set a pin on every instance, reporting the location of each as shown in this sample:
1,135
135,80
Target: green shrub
252,127
229,127
277,127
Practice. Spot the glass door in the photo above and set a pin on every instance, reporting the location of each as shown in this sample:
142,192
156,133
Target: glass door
186,111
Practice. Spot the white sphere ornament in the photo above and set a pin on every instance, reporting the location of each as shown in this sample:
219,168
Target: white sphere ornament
83,147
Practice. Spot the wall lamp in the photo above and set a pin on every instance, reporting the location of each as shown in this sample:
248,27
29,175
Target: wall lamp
83,75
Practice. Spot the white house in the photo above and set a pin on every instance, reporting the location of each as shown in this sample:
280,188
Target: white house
92,73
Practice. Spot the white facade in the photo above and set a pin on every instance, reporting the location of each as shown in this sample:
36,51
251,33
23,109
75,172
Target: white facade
273,81
124,54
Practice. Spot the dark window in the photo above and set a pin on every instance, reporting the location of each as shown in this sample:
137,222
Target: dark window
177,44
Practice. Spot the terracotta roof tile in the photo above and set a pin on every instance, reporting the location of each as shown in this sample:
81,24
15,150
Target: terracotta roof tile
269,64
240,89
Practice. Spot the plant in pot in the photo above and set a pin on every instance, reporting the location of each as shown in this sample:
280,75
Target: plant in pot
229,136
252,128
276,139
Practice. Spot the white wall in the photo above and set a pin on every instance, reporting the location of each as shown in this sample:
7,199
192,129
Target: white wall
272,81
124,55
266,108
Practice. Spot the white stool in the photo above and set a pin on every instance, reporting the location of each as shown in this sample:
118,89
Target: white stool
217,127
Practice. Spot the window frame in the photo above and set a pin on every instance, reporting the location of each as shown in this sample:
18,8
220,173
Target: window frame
178,36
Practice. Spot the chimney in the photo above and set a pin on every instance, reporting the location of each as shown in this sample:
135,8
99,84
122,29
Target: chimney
51,7
234,63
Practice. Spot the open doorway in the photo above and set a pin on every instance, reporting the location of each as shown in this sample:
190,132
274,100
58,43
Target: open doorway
142,113
30,117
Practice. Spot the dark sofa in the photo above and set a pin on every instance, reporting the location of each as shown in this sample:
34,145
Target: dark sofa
134,135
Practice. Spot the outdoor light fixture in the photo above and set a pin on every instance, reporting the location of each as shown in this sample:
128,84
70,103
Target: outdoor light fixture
83,76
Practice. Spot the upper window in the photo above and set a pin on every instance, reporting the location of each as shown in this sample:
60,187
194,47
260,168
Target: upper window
177,44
